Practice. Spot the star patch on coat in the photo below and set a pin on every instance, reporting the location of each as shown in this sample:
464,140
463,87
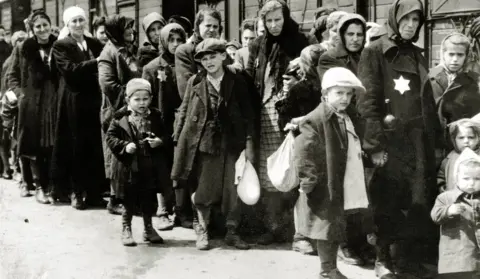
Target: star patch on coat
401,85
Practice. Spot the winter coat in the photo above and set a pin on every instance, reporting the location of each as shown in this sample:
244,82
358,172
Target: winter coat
33,82
446,172
237,119
459,235
125,170
321,158
146,53
459,100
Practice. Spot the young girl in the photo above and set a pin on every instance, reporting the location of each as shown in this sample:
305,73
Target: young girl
464,133
328,156
214,124
136,137
456,211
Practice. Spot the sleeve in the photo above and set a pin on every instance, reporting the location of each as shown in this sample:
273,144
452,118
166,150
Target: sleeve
441,179
439,211
309,148
110,83
185,68
239,63
369,103
13,76
182,112
253,53
115,143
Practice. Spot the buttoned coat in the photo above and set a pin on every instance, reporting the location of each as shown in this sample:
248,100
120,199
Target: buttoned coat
237,122
459,235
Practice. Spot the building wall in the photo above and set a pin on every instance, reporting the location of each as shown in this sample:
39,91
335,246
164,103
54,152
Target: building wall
6,16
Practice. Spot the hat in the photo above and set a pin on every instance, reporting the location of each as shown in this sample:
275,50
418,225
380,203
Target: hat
71,13
466,155
210,45
137,84
339,76
149,19
234,43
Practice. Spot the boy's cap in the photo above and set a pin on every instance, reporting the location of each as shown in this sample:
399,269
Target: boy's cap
339,76
137,84
234,43
209,46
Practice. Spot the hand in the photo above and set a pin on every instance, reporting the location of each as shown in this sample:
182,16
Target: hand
154,142
290,127
380,158
11,97
131,148
456,209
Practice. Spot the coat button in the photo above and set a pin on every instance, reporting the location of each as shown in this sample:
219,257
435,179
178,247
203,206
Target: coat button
195,119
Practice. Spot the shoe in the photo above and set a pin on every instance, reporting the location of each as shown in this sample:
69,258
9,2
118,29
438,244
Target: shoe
384,271
266,239
40,196
150,235
96,202
115,209
183,221
77,202
415,269
233,239
127,238
202,239
24,192
8,175
348,256
164,224
332,274
303,246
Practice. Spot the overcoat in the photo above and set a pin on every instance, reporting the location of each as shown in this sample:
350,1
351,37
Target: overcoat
237,120
146,53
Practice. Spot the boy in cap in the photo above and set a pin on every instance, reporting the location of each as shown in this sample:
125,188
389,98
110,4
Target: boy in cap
137,138
208,143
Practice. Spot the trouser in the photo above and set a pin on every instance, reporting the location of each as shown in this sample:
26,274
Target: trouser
26,178
278,211
233,216
36,170
5,146
327,252
144,198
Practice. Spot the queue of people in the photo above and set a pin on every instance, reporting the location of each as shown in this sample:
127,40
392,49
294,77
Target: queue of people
158,128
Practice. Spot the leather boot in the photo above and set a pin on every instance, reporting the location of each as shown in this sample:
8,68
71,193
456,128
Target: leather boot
181,219
40,195
149,233
77,201
383,263
127,238
233,239
24,191
202,229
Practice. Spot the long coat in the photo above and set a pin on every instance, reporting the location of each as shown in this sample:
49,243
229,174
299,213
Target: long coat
321,158
78,147
459,235
32,81
237,121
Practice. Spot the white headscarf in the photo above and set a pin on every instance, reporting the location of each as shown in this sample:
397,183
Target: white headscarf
69,14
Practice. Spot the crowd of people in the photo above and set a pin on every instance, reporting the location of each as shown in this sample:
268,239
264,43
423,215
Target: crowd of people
160,126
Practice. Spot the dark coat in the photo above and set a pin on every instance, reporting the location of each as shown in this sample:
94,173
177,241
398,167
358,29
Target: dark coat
78,146
457,101
32,81
321,158
458,248
125,171
146,53
237,121
5,51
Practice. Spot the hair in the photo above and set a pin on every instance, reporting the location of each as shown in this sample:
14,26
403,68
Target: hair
207,12
457,39
99,21
179,32
308,63
270,6
334,18
463,123
37,15
183,21
249,24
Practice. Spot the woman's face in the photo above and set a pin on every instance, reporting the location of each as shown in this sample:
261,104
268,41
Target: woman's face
209,28
408,25
129,34
274,21
153,32
101,35
41,29
247,37
174,40
76,26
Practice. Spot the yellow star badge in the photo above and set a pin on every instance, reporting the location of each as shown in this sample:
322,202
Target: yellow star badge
401,85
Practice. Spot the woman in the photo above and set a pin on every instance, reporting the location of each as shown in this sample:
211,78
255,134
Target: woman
31,79
99,30
152,25
400,132
116,66
268,60
77,156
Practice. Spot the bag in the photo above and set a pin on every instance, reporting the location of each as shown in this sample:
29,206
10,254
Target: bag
248,188
281,168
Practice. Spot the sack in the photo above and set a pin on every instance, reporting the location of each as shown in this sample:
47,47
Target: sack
281,168
248,188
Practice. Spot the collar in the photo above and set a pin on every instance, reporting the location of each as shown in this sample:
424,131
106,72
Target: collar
216,82
389,44
134,113
83,45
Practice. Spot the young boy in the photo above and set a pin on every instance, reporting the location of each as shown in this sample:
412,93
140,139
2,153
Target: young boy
456,91
329,160
213,126
457,213
136,137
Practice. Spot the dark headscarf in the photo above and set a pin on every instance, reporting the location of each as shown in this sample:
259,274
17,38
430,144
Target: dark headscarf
165,34
398,10
320,26
115,26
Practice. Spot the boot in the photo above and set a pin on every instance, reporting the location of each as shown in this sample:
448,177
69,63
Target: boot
349,256
24,191
233,239
77,201
40,195
149,233
332,274
383,263
181,219
114,208
127,238
202,229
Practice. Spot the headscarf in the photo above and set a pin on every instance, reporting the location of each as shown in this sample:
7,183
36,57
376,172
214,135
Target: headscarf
150,19
309,58
115,26
320,26
342,28
398,10
69,14
374,31
165,35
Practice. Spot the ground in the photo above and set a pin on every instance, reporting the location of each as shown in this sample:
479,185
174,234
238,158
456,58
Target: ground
43,242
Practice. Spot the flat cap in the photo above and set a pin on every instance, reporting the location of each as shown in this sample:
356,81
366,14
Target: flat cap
209,46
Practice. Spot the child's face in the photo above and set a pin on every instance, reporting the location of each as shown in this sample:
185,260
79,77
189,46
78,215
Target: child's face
213,62
139,101
231,52
466,138
454,56
468,179
174,40
339,97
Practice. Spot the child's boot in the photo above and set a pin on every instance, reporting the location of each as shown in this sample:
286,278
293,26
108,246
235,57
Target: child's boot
127,238
149,233
202,228
233,239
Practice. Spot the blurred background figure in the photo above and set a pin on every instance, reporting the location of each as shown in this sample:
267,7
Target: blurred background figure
99,30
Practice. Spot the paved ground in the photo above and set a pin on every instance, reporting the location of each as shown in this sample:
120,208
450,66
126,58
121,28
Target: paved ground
42,242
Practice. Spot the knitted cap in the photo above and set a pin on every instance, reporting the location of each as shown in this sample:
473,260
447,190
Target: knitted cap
137,84
339,76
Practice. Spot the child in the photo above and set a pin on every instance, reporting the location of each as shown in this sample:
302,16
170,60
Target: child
464,133
214,124
456,211
456,91
329,160
136,137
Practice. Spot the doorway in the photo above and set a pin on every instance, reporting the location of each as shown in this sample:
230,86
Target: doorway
184,8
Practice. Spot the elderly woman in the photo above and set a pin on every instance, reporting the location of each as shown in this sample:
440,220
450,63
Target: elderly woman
32,81
269,57
400,132
152,25
77,156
